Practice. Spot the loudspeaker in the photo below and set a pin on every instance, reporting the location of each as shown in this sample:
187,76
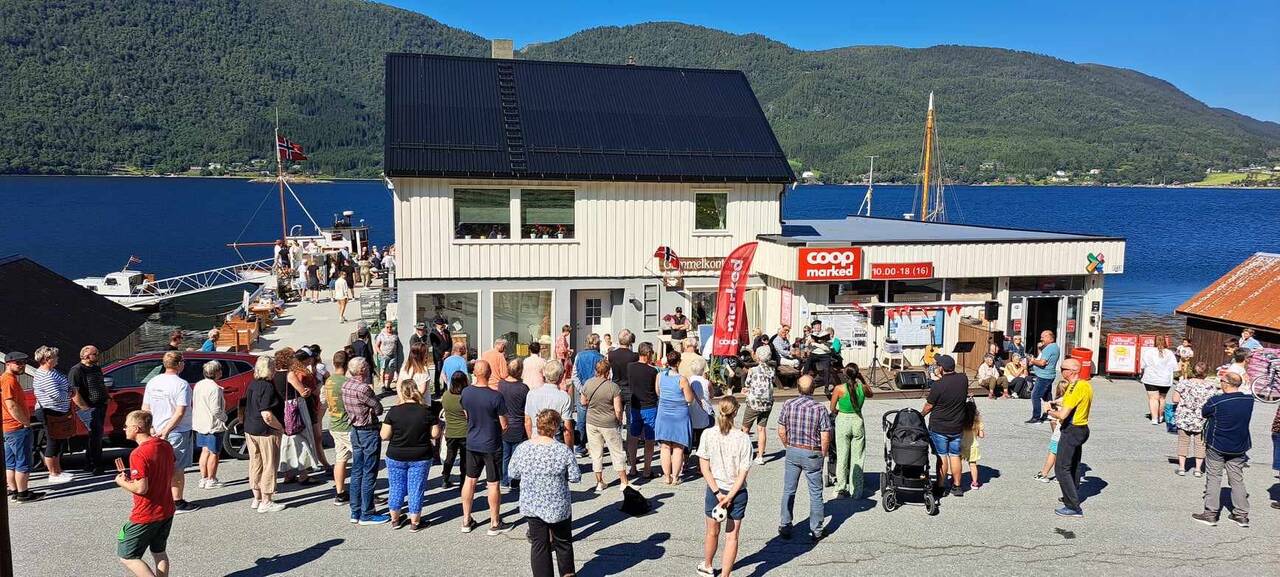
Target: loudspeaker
992,311
877,316
912,380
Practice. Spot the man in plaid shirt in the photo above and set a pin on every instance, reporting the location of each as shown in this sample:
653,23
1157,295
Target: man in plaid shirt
363,409
804,426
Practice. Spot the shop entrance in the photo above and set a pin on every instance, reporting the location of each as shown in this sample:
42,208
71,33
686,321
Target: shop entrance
1041,315
591,314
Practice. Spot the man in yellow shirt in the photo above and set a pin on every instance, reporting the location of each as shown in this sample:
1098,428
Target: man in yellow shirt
1073,412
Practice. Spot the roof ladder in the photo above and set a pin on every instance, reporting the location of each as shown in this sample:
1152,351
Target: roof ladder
511,117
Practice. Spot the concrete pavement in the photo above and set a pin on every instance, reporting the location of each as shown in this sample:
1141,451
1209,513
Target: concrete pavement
1137,519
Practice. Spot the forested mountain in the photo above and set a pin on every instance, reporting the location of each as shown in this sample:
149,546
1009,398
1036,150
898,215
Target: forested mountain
93,86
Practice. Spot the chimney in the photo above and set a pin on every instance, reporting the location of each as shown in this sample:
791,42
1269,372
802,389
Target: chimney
503,48
631,60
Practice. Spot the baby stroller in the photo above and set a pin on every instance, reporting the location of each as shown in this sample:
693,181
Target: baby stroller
906,461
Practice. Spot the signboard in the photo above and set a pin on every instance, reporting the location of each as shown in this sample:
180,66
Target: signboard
829,264
901,270
1015,310
786,305
1146,345
849,326
1071,325
913,329
701,263
1017,325
1122,354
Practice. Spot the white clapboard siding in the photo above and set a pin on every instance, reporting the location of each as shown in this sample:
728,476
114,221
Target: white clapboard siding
618,227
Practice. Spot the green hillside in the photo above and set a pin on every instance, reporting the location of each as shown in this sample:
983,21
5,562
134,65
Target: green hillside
98,86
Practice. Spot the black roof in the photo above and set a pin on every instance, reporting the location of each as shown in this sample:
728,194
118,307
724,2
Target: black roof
452,116
41,307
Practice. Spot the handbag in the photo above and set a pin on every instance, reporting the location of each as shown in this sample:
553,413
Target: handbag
292,414
59,426
1169,410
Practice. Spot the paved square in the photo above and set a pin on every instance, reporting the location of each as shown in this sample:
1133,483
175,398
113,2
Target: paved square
1137,520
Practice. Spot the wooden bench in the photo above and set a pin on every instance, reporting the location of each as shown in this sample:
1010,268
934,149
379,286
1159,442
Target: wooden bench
238,335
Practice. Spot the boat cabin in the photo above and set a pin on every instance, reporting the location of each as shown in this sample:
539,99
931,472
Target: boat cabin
122,283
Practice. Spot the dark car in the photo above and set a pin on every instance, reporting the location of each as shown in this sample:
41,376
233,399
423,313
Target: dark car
127,380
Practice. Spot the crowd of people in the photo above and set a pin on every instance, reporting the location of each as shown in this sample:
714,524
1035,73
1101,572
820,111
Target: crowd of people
315,271
521,423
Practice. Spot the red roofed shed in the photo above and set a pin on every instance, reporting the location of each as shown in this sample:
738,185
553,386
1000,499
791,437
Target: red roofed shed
1248,296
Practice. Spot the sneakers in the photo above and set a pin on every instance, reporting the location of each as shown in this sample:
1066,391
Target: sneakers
975,485
58,479
759,460
354,519
183,506
1031,421
1043,479
1197,473
469,526
374,519
784,531
956,491
1208,518
27,496
843,494
270,507
1240,519
341,499
1180,472
1068,512
816,536
254,504
212,483
705,571
495,530
600,487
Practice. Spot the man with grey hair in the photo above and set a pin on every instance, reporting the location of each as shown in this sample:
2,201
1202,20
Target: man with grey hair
168,398
759,400
363,410
584,367
497,360
209,420
86,377
1227,443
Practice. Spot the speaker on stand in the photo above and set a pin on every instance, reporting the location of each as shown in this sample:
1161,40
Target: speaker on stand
877,379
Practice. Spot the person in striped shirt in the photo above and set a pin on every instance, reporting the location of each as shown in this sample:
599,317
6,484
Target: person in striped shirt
54,396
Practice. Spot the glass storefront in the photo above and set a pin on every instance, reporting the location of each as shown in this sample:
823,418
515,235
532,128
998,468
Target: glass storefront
460,310
522,317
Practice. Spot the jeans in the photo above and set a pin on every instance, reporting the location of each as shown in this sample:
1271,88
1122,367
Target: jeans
546,537
508,449
580,427
406,478
1067,467
810,464
851,444
1038,394
1214,463
97,418
366,447
1275,451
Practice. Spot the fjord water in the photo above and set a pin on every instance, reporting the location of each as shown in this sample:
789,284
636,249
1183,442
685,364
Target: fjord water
1179,239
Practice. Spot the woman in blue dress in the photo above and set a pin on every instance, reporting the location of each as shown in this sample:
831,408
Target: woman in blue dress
671,427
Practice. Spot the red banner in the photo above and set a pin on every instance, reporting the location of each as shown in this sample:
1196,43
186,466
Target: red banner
901,270
786,305
731,311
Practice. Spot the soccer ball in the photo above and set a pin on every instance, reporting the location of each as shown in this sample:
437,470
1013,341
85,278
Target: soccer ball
719,514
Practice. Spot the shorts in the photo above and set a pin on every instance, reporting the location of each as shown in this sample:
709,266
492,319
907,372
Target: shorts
212,441
182,443
1156,388
751,417
737,507
945,443
17,450
489,462
341,446
135,538
641,423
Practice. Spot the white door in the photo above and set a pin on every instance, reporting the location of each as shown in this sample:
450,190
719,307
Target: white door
593,310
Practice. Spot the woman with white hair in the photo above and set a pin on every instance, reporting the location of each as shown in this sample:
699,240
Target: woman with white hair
210,344
759,399
209,420
54,395
263,425
700,410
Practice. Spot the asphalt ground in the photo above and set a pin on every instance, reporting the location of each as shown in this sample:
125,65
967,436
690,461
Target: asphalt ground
1137,519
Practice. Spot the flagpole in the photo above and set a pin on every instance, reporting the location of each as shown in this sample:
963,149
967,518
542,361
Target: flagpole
284,227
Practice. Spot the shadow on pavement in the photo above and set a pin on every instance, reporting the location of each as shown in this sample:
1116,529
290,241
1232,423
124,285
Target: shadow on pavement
616,559
610,515
776,552
283,564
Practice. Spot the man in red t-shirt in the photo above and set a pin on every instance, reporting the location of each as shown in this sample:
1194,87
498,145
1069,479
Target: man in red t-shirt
17,429
150,470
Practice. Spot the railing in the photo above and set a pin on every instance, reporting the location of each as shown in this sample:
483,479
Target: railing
197,282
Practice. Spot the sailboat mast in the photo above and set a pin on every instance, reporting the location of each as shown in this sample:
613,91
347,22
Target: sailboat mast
928,149
284,227
866,199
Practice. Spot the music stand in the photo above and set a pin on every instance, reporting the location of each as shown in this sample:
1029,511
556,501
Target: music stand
963,348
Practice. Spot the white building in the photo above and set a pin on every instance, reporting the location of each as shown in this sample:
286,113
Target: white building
533,195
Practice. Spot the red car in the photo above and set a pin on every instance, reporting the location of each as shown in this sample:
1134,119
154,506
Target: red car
127,380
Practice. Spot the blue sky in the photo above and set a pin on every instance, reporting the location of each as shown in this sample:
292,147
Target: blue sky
1223,52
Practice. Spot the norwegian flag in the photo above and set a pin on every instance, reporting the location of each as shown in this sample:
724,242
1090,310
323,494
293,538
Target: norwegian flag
668,257
289,150
134,260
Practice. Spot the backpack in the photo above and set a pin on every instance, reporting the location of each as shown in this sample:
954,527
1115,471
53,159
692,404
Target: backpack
633,503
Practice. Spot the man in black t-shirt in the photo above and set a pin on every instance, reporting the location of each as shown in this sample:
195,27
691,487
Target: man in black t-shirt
641,376
619,358
87,379
945,407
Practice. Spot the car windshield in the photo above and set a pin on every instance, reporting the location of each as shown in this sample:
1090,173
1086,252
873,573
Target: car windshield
135,374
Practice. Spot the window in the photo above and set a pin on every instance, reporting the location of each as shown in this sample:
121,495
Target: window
481,213
461,311
848,292
546,214
592,312
135,375
702,307
651,307
710,209
915,291
971,289
1045,283
523,317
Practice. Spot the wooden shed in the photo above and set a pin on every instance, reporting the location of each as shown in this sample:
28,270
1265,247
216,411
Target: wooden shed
1246,297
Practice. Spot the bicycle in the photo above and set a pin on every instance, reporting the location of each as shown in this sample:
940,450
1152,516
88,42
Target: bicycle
1266,387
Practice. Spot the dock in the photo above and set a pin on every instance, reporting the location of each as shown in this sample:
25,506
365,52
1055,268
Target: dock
307,323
